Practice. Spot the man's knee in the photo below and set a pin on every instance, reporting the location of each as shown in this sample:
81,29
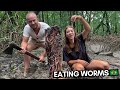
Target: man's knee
30,47
77,67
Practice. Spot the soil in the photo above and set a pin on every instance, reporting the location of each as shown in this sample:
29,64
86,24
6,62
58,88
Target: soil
12,67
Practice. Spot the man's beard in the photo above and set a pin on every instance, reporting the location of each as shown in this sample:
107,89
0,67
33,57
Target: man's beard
34,27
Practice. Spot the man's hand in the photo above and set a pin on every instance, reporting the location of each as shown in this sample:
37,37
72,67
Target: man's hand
41,58
23,51
75,18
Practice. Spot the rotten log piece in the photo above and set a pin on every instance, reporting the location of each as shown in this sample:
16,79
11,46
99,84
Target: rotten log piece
54,49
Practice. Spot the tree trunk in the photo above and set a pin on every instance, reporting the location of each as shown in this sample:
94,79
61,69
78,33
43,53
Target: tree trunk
107,24
36,12
99,24
10,16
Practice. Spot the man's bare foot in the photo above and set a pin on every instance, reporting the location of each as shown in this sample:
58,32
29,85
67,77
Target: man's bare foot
26,72
63,78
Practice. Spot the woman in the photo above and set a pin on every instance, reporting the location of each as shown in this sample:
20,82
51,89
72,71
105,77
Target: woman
74,51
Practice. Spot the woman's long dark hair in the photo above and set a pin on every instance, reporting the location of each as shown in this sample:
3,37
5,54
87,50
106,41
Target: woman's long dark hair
67,43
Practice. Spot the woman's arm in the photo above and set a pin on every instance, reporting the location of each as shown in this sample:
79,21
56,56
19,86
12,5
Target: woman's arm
85,24
83,62
71,62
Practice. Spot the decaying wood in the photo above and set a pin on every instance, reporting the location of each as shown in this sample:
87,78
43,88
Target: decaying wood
54,49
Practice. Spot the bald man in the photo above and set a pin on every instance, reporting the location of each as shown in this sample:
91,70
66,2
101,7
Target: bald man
33,38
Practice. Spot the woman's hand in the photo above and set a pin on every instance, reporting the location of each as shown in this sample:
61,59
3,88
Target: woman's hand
75,18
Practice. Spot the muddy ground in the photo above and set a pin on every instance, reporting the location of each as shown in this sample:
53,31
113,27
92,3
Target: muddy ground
12,67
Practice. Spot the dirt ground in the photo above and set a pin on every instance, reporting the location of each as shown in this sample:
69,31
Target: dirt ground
12,67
